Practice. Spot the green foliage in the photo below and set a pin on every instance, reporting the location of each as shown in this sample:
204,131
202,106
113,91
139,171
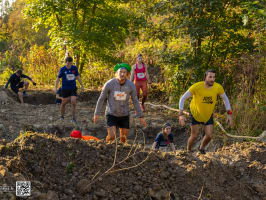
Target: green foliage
17,37
42,65
178,39
88,29
98,74
4,76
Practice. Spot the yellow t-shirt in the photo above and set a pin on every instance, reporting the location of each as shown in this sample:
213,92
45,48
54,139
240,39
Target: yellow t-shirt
204,100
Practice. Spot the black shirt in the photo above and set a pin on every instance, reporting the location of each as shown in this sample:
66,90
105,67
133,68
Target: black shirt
14,80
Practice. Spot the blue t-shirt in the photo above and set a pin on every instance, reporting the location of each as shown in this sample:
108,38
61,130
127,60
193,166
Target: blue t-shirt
161,142
68,77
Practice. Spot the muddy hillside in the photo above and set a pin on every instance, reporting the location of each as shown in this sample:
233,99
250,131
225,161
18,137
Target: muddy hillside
35,146
67,168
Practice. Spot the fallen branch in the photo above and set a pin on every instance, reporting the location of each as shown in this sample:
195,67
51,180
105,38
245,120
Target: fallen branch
215,120
200,193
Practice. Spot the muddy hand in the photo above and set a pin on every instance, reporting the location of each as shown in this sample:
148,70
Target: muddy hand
229,120
95,119
143,122
182,120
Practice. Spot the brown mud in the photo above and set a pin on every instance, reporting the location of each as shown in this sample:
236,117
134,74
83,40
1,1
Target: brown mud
35,146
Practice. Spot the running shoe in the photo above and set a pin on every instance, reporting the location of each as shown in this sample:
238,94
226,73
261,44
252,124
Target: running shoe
25,94
202,151
74,120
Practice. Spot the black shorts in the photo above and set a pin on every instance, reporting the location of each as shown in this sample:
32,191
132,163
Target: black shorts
15,88
69,93
195,122
120,122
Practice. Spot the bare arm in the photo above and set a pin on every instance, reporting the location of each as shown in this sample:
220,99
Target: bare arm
147,74
132,75
172,146
228,109
153,146
80,82
56,83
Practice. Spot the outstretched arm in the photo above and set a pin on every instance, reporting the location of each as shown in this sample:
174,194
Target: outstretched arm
181,107
147,74
228,109
80,82
182,101
29,78
153,147
172,146
56,84
226,102
132,75
102,98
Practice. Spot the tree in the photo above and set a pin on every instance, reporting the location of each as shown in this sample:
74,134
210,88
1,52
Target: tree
88,29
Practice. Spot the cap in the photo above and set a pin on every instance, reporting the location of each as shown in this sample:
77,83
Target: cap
76,134
122,65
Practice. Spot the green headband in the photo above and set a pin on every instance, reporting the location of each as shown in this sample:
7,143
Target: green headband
122,65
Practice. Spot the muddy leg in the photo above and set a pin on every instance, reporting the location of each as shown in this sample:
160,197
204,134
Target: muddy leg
20,96
193,136
73,106
208,136
63,105
111,133
123,134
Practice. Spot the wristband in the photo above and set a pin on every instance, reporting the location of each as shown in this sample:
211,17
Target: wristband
229,112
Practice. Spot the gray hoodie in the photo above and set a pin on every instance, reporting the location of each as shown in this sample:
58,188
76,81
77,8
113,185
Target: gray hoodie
118,98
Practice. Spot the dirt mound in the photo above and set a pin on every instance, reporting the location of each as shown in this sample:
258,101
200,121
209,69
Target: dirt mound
67,168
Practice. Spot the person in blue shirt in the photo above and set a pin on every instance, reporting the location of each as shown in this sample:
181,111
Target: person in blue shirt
69,74
17,85
164,138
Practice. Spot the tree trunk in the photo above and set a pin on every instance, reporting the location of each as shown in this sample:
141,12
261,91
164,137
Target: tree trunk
82,63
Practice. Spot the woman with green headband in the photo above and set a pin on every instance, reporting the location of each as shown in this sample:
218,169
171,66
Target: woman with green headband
117,92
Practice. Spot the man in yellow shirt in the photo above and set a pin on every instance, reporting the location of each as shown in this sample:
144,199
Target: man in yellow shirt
204,96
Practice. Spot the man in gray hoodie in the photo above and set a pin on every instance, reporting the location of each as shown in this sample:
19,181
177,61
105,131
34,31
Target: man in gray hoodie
117,92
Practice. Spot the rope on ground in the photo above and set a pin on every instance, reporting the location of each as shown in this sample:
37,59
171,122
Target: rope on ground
216,121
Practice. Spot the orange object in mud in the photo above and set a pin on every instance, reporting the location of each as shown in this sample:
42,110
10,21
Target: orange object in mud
78,134
89,137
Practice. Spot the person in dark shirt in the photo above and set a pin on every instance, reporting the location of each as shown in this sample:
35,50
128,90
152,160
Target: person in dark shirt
69,74
16,84
164,138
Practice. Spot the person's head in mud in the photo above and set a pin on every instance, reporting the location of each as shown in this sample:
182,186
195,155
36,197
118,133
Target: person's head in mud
166,130
19,72
164,138
69,61
140,59
209,77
